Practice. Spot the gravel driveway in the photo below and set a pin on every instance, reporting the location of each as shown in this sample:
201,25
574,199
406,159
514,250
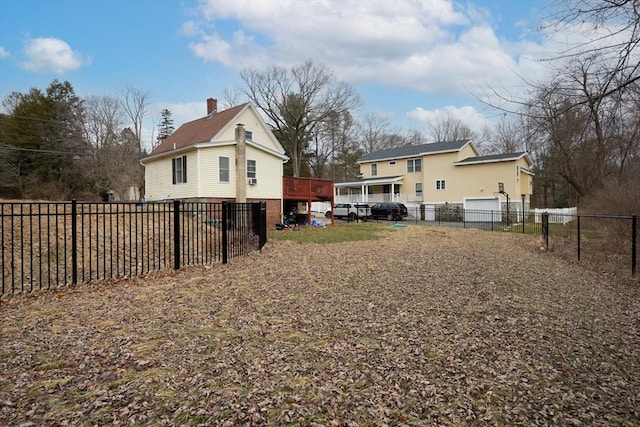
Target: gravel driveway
425,326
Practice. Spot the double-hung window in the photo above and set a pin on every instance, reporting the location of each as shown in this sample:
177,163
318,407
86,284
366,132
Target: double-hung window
440,184
374,169
179,169
418,189
251,169
223,169
414,165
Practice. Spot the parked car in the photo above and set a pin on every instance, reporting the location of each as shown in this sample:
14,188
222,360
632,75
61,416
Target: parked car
389,210
351,211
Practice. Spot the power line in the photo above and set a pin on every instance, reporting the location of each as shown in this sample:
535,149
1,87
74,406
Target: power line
35,119
36,150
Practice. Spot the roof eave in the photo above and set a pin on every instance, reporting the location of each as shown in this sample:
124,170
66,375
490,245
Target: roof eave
506,159
409,156
167,153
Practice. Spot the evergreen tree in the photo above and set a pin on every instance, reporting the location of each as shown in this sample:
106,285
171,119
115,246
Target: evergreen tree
44,131
165,128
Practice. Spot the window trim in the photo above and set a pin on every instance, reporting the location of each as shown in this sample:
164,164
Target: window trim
179,170
374,169
413,162
419,193
441,184
220,170
254,173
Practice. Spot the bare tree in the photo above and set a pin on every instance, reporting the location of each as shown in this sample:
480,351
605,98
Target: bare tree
134,102
376,133
510,135
333,139
232,97
448,128
612,28
296,101
104,118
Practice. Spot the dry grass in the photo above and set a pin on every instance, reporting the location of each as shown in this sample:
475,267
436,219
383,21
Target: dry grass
425,326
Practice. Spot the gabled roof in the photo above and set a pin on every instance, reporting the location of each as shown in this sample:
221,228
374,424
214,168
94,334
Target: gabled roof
492,158
199,130
415,150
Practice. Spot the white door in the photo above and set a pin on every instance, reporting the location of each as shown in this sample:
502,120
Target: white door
482,209
429,212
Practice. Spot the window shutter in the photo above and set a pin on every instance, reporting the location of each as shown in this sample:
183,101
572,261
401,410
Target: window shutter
173,170
184,168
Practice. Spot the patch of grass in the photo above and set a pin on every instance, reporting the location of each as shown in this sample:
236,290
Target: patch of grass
335,233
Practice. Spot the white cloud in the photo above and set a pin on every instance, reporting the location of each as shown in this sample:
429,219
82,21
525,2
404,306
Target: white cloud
467,115
190,28
51,55
3,53
435,46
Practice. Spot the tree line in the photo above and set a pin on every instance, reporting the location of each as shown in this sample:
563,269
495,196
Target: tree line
581,126
55,145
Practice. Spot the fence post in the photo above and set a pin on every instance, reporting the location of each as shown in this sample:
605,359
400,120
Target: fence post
545,228
523,218
74,242
176,234
578,227
225,229
263,224
634,243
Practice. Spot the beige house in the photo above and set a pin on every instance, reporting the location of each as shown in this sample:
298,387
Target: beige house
229,155
441,173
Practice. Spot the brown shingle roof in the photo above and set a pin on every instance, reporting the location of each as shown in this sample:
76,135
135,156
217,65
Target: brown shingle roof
199,130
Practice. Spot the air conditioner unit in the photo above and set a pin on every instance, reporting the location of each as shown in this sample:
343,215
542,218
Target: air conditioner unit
253,181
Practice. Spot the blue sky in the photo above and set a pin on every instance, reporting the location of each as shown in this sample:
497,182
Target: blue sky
410,61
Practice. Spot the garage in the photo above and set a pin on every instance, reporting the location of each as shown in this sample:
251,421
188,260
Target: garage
482,209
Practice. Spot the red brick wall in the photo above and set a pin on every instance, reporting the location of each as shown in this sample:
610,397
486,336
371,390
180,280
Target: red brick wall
273,209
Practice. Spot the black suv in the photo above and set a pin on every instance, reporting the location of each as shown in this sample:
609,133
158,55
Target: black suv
389,210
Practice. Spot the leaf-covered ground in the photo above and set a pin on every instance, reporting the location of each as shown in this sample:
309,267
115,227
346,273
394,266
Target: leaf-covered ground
426,326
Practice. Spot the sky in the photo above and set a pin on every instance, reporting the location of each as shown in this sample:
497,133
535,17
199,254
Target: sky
411,62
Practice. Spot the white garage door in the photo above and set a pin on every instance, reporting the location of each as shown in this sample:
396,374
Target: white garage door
482,209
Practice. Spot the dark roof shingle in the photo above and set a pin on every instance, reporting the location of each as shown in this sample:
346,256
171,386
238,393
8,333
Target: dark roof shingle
414,150
199,130
492,158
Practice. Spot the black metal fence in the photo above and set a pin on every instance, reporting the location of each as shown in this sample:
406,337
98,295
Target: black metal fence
610,241
48,245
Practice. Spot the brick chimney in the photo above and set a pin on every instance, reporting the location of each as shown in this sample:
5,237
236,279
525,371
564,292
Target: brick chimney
212,106
241,164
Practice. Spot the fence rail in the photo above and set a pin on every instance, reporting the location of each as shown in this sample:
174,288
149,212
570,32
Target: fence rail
47,245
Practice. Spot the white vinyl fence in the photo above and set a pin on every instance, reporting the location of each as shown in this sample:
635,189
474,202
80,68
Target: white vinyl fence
557,216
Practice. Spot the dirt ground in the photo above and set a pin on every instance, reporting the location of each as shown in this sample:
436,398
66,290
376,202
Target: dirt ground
426,326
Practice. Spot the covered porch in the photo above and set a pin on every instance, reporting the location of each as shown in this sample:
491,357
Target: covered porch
372,190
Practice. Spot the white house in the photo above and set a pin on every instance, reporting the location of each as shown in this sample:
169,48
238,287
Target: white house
230,155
